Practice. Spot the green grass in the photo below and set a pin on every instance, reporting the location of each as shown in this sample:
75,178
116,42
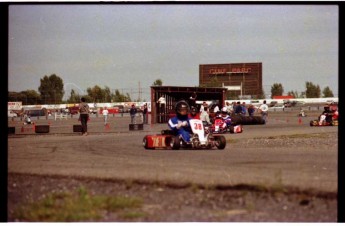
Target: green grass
77,206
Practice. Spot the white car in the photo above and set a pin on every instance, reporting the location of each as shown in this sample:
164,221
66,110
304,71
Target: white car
11,114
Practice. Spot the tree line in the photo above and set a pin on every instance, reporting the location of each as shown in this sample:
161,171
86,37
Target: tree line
311,91
51,91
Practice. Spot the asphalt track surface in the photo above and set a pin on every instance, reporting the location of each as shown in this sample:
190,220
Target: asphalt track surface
114,152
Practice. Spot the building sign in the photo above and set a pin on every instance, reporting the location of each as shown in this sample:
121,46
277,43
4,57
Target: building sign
217,71
235,70
241,70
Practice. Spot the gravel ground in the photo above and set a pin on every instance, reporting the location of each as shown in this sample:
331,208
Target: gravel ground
170,203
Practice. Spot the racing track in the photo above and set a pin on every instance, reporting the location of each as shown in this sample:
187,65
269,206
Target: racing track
120,155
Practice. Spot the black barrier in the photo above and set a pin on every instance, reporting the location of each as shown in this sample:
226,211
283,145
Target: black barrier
136,126
11,130
42,129
77,128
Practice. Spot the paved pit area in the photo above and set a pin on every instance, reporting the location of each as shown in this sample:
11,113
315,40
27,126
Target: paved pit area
286,153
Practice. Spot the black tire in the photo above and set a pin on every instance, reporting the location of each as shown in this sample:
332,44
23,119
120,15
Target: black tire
313,123
175,143
220,142
231,129
42,129
334,123
145,144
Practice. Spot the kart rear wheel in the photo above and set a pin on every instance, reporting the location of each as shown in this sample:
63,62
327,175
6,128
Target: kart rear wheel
314,123
231,129
334,123
220,142
175,143
145,144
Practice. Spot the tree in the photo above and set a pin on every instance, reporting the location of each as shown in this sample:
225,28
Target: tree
293,93
28,97
277,89
118,97
74,97
51,89
158,82
312,91
96,94
327,92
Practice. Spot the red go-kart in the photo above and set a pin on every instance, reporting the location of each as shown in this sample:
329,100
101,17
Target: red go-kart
200,139
220,126
330,120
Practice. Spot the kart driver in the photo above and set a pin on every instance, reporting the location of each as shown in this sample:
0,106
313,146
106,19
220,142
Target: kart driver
194,113
226,118
326,115
180,123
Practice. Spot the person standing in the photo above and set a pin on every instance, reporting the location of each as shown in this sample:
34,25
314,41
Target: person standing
204,115
192,100
132,113
251,110
238,108
84,115
263,110
105,113
161,101
145,114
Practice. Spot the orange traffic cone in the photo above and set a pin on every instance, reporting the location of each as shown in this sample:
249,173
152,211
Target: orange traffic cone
299,121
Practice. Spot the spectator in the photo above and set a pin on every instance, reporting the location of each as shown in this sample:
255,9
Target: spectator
229,108
105,113
192,100
145,114
244,109
84,115
216,109
204,104
263,110
132,113
251,110
204,115
161,101
238,108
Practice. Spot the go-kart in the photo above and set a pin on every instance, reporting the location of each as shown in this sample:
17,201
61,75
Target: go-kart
220,126
332,121
200,139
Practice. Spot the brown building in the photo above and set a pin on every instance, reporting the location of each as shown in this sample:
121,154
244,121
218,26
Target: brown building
241,79
172,94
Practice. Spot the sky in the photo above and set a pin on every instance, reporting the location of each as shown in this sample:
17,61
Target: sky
129,46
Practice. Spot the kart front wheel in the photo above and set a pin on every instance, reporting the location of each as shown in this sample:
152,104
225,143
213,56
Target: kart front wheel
220,142
175,143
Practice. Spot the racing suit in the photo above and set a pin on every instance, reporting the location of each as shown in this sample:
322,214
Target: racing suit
181,126
226,120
